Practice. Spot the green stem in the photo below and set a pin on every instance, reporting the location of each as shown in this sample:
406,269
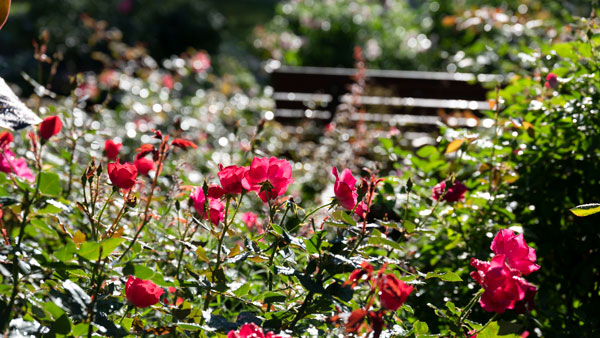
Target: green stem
486,324
467,308
317,209
15,262
99,218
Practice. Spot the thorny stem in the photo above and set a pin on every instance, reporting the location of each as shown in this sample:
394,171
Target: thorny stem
219,247
71,159
95,279
467,308
110,231
146,218
99,218
27,202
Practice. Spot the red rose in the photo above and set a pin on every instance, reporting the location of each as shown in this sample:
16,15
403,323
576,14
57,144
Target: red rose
122,175
270,177
144,165
551,81
393,292
231,178
345,188
142,293
518,254
111,149
454,194
5,139
503,289
50,127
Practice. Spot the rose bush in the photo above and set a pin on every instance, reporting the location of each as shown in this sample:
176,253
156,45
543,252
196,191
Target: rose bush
84,239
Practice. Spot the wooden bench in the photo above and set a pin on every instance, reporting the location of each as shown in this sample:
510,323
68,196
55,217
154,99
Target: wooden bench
413,101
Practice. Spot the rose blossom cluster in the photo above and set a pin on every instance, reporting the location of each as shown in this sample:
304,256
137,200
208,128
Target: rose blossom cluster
392,294
268,177
10,163
501,278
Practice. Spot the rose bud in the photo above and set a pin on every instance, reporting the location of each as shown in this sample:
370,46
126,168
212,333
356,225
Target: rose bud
454,194
345,188
50,127
144,165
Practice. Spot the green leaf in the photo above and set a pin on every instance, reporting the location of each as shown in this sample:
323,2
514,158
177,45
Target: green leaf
139,271
447,276
242,290
50,184
54,310
274,297
89,250
190,327
341,215
109,245
585,209
65,254
421,327
62,325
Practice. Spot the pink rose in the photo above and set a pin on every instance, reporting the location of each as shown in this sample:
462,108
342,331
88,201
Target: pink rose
168,81
250,219
503,289
216,209
361,209
200,62
9,163
454,194
519,255
269,177
231,178
345,188
551,81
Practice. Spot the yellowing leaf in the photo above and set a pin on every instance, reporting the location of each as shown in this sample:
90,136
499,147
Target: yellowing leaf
79,237
585,209
202,254
492,104
257,259
454,145
4,10
236,250
526,125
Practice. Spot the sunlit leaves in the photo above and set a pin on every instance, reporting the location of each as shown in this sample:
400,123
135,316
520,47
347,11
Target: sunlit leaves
454,145
585,209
